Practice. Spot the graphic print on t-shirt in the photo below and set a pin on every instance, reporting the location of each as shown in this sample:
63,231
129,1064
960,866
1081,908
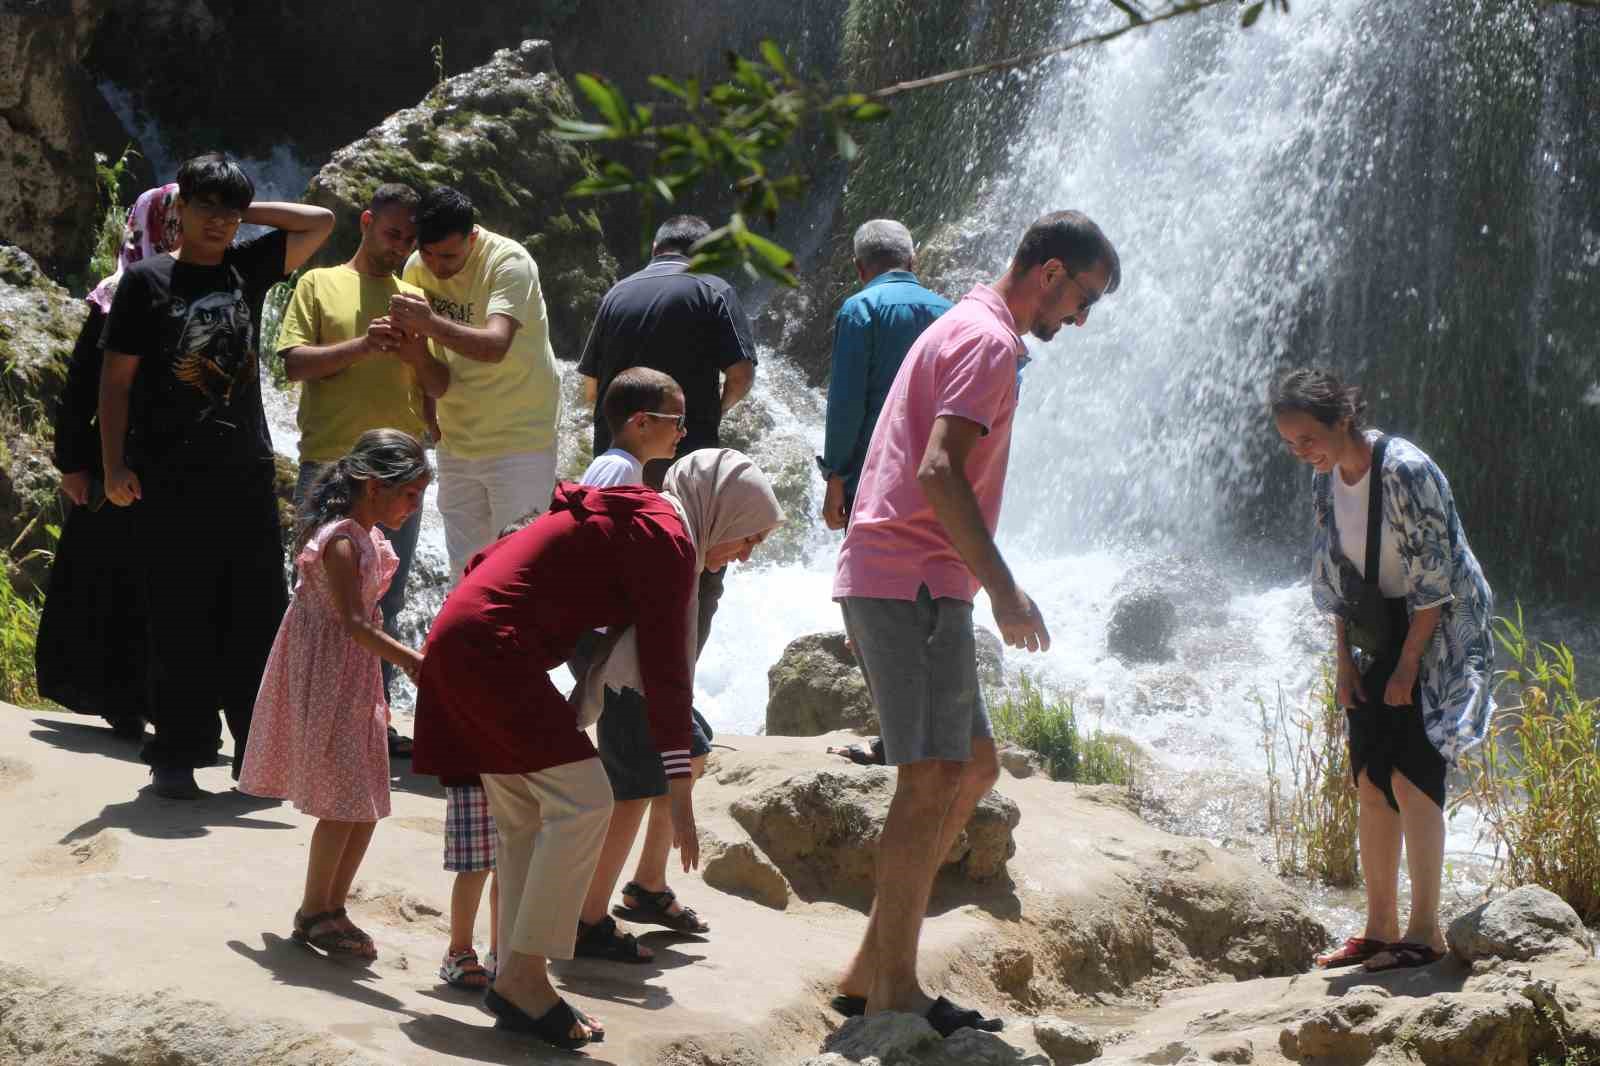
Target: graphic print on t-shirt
212,341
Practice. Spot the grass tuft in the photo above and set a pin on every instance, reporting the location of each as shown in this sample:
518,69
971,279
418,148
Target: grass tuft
1031,718
1311,799
1536,778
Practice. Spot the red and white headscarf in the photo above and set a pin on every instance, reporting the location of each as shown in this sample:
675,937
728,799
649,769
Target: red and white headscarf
152,227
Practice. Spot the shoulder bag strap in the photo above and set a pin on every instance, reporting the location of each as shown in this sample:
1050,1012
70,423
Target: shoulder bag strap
1375,510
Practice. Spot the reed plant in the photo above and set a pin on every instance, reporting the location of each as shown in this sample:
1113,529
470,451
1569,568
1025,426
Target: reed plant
19,632
1535,780
1311,798
1045,722
108,234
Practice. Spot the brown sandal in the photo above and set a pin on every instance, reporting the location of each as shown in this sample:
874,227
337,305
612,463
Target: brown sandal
334,942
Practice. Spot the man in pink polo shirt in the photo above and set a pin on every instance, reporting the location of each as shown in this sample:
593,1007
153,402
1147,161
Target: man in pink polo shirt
920,544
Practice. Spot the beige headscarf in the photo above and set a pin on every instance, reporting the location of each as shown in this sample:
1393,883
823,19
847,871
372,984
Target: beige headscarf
721,496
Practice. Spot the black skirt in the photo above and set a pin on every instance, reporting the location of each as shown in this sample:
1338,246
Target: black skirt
91,650
1385,739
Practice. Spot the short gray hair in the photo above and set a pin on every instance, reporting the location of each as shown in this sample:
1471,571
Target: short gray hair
883,244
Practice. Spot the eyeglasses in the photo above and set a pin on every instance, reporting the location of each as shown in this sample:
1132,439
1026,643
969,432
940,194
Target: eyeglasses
682,420
230,216
1089,298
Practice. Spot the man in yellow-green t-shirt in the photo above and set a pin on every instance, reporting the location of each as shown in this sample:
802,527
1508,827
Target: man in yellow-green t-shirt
485,315
358,371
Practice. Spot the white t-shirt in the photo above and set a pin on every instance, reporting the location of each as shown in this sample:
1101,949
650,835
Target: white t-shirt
1350,521
613,467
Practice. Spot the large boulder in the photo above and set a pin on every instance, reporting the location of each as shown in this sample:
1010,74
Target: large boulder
490,133
816,687
1524,924
821,829
1066,1044
1155,600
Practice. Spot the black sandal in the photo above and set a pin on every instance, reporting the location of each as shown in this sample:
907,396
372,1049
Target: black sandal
399,746
654,909
946,1018
554,1026
603,940
863,754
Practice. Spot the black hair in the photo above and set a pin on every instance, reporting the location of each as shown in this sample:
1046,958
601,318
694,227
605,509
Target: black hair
681,233
387,455
517,525
636,389
442,212
1072,238
394,194
216,177
1320,394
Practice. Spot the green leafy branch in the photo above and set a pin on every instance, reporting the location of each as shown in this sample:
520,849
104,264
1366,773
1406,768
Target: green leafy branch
737,130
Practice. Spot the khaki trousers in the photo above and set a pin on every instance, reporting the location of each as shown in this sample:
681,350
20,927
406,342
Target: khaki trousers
550,826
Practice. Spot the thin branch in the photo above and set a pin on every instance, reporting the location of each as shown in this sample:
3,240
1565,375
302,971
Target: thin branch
1029,58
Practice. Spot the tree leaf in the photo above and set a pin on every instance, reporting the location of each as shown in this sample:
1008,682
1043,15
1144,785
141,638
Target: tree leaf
1251,13
774,57
845,145
870,112
572,130
667,85
662,189
606,98
775,254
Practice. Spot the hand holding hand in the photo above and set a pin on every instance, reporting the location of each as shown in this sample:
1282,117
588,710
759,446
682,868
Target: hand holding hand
1021,624
412,314
833,512
75,487
412,667
382,336
122,486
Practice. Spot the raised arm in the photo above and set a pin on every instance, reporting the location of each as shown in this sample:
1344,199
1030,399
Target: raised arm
943,477
307,228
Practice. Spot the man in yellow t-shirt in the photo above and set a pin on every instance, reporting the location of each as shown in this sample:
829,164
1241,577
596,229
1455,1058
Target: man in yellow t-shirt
359,372
497,417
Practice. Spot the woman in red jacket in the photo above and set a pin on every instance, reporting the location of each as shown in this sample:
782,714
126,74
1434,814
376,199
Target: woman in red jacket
600,558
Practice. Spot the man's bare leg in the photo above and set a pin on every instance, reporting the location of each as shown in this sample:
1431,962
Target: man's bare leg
908,859
978,776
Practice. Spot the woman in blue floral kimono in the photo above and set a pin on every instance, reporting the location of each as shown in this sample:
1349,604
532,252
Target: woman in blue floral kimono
1412,643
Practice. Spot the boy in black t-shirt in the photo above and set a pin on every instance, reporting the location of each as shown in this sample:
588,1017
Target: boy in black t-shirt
185,443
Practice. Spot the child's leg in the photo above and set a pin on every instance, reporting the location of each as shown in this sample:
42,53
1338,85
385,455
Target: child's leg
355,849
494,914
625,816
651,872
328,842
465,895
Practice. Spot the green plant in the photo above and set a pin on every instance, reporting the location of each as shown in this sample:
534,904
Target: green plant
19,622
272,312
1535,780
108,234
1311,811
437,51
1046,723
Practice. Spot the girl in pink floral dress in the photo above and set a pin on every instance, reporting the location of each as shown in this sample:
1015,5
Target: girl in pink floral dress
319,733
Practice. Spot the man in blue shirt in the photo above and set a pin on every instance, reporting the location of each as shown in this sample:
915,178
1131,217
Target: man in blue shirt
874,330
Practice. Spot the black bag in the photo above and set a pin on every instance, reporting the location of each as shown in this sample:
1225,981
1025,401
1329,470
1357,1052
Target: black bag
1370,623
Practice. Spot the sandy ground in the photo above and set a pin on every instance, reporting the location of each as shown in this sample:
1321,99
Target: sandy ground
111,888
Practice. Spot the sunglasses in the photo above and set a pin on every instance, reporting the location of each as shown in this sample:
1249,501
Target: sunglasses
681,420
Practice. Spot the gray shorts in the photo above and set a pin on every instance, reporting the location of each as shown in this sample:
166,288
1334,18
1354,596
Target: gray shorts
921,666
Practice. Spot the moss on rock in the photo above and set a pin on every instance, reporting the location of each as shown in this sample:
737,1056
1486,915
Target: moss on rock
490,133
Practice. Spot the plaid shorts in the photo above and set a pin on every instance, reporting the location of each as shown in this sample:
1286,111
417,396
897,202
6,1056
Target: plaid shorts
468,829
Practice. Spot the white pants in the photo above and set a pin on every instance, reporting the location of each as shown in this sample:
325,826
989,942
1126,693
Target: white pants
480,497
549,827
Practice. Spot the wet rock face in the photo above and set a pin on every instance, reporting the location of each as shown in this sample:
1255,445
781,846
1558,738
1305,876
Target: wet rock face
51,121
39,323
1157,600
490,133
1524,924
821,829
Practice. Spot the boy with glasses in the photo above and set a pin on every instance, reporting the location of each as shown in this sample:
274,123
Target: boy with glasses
184,437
